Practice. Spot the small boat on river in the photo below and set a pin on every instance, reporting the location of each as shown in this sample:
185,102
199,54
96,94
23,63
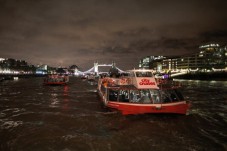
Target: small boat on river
91,78
56,79
1,79
141,93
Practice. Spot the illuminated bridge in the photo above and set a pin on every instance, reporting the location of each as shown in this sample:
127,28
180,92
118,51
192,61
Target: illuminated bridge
95,69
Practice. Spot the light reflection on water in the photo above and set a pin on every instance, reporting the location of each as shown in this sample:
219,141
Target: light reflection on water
37,117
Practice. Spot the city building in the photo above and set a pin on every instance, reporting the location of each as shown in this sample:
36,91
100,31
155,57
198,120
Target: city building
41,69
9,65
209,57
151,62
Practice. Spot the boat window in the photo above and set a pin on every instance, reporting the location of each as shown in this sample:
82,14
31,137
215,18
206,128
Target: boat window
143,74
173,96
169,96
145,96
179,94
140,96
134,96
124,95
155,96
113,95
165,95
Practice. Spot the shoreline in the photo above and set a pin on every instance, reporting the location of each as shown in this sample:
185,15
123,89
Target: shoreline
208,76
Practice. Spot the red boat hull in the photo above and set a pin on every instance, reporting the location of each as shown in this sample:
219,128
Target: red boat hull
134,108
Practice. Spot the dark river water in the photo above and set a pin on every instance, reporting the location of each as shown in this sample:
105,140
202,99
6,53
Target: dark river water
34,117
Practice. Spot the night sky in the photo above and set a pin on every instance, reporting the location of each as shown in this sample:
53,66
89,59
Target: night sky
67,32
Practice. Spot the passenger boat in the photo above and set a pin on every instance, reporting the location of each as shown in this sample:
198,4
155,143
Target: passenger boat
91,78
56,80
83,77
1,79
140,93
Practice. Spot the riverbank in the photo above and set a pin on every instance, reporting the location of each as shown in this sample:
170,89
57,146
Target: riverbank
218,76
16,76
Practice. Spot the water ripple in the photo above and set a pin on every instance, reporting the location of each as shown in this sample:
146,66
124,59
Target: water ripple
10,124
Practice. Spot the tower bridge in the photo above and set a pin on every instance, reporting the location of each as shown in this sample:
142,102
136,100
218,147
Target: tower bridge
95,69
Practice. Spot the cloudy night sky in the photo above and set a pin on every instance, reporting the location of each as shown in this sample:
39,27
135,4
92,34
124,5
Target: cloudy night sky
67,32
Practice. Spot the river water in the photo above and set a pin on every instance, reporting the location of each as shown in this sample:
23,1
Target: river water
34,117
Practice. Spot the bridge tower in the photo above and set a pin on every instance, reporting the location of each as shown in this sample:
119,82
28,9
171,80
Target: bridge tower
113,64
96,68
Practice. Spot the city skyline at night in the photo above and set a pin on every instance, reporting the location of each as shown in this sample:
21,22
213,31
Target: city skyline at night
211,57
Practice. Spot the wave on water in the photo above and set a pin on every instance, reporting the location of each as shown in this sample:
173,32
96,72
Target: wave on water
67,118
10,124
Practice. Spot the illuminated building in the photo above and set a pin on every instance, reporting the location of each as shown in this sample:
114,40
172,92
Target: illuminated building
14,66
151,62
209,57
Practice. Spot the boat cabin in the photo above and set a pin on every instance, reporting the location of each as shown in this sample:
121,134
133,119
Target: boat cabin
139,87
146,96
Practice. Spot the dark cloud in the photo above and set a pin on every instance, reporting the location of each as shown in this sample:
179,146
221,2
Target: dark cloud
80,32
215,36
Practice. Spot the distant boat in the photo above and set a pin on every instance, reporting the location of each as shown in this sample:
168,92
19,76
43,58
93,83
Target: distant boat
8,77
140,93
84,77
91,78
1,79
15,78
56,80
